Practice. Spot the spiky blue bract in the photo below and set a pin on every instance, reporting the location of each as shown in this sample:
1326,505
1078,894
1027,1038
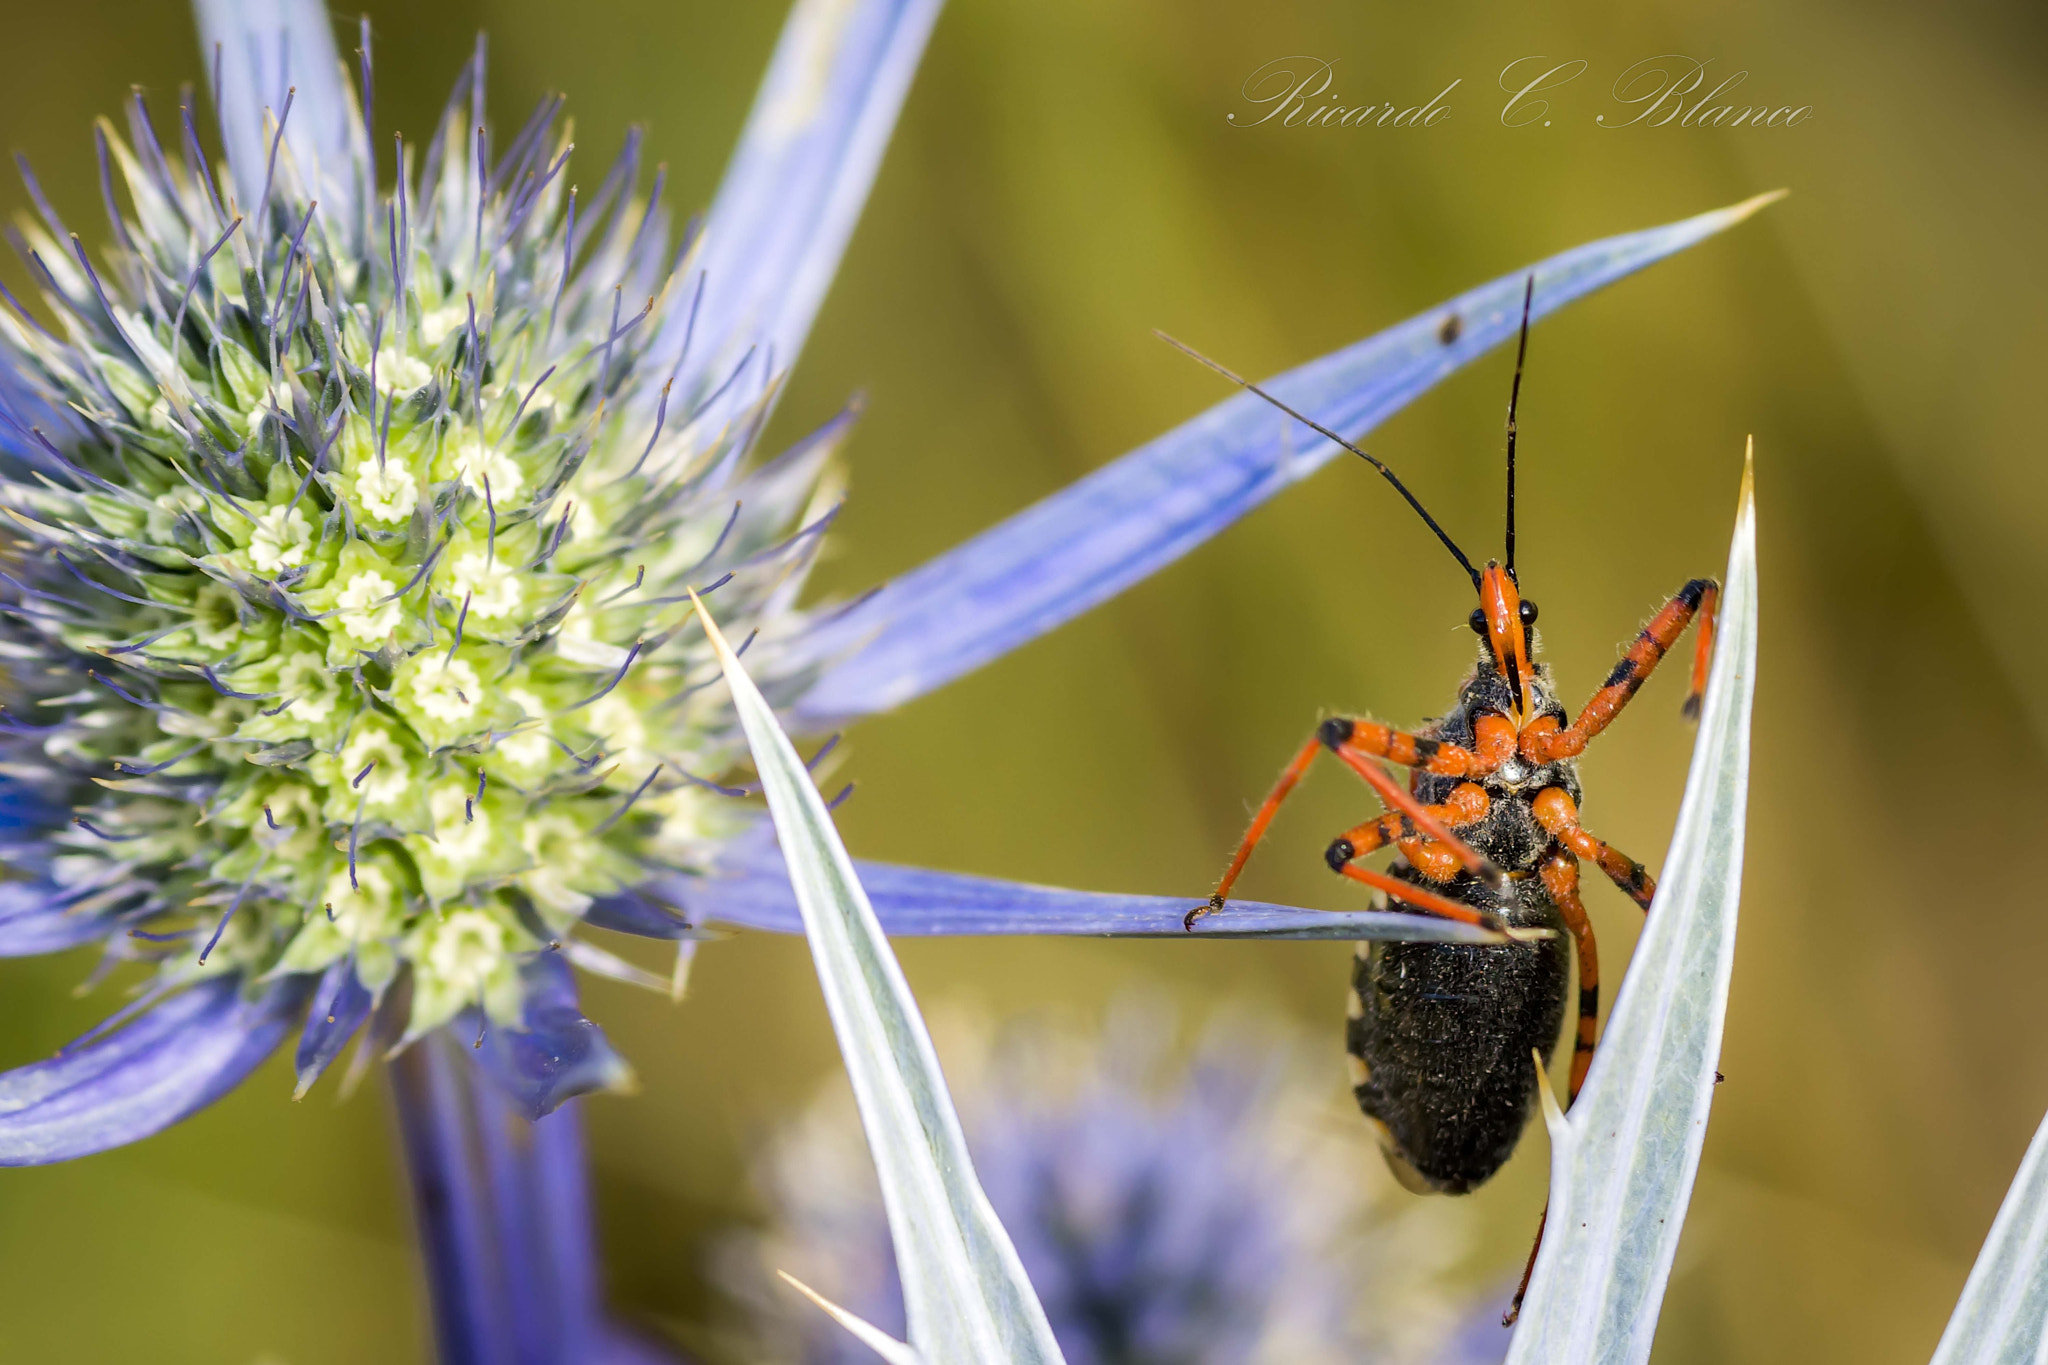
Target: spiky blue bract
749,885
782,218
340,1005
1096,537
554,1053
176,1058
261,52
35,919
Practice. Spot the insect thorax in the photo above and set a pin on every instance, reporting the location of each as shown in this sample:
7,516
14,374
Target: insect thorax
1509,835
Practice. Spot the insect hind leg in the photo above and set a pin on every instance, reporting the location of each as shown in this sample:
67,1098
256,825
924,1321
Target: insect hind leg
1560,874
1555,812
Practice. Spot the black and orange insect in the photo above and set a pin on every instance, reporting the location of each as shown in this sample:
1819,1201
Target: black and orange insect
1486,831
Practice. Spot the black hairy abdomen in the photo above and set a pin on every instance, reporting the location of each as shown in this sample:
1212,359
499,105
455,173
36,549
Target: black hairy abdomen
1444,1032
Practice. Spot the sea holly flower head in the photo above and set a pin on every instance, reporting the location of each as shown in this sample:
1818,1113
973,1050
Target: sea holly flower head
353,550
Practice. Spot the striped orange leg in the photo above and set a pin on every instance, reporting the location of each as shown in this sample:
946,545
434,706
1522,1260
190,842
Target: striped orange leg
1560,818
1336,734
1545,742
1560,873
1493,745
1290,776
1429,902
1468,805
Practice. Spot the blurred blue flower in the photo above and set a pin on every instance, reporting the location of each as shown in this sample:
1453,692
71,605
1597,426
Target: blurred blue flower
353,493
1212,1207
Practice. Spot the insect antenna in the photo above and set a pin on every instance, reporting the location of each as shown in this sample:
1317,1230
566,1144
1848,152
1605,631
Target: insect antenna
1322,430
1514,397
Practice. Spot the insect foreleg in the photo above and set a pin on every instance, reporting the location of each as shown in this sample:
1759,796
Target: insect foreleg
1289,777
1334,734
1493,745
1544,742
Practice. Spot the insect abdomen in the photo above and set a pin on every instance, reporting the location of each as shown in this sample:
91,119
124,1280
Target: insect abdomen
1440,1036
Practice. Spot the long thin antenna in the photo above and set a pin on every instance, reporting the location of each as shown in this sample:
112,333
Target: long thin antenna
1322,430
1514,397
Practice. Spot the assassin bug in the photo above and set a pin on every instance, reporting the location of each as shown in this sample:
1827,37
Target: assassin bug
1440,1035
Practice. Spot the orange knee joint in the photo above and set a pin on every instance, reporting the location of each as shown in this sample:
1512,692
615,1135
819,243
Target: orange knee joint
1430,858
1468,804
1555,812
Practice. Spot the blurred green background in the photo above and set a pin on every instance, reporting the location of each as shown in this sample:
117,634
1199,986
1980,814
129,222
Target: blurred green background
1064,181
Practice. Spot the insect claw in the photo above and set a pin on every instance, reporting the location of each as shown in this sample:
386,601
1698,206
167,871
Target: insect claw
1691,709
1208,907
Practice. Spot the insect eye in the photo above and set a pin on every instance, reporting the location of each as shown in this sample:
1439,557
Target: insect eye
1477,621
1528,613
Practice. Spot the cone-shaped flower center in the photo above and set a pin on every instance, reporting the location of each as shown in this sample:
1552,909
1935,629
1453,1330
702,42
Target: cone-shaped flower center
353,558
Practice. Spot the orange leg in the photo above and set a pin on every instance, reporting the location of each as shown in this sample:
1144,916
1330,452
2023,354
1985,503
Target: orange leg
1404,801
1430,858
1560,873
1560,818
1334,734
1702,651
1290,776
1374,834
1494,744
1544,742
1468,806
1507,1319
1429,902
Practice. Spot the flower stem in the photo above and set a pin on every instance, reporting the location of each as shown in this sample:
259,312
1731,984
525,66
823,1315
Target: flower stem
504,1214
